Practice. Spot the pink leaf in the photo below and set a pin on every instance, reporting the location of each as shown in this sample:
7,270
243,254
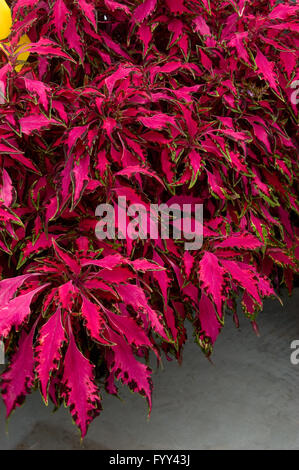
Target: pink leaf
89,11
112,5
132,170
60,14
176,6
66,258
201,26
81,393
16,311
94,319
7,190
125,325
80,177
211,274
129,369
144,10
188,263
244,276
119,74
135,296
45,47
50,340
266,69
157,121
40,89
208,318
283,11
237,42
145,35
17,381
245,241
146,265
9,287
73,38
35,122
108,262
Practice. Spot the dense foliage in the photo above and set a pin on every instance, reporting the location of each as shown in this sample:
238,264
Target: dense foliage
155,100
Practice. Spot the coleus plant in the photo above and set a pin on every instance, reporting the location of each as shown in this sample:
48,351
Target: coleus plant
157,101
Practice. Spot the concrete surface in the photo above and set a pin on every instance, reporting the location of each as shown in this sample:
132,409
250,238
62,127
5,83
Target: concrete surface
248,399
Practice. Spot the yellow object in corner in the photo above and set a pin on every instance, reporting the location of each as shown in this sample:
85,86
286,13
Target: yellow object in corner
5,28
5,20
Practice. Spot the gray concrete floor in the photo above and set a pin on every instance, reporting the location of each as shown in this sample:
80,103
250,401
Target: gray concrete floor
248,399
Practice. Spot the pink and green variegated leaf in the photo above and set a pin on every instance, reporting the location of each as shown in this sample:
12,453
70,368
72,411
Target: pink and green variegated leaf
125,325
164,282
121,73
73,38
74,134
212,277
113,6
94,319
60,15
108,262
241,240
34,123
244,276
24,161
209,322
146,265
127,368
266,69
80,392
158,121
135,170
282,258
10,286
88,10
80,178
16,311
48,350
135,296
144,10
176,6
45,47
17,381
6,190
40,89
188,263
283,11
68,260
66,294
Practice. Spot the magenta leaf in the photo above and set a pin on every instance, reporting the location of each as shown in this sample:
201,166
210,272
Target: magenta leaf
144,10
35,122
266,69
241,240
88,11
212,276
127,368
48,350
16,311
135,296
80,394
18,379
93,316
208,318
